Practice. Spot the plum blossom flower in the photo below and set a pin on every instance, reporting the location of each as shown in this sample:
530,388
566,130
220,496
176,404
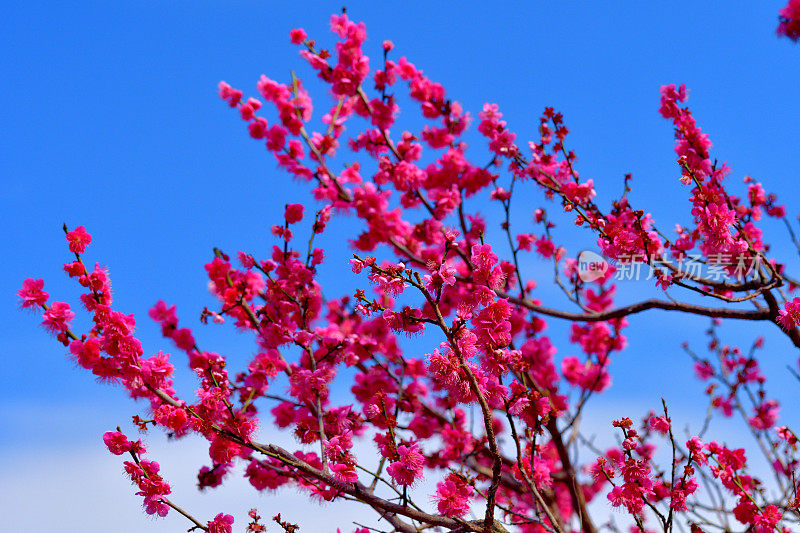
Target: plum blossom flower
229,94
294,213
765,520
790,20
682,489
31,293
78,239
789,316
116,442
58,317
786,434
222,523
765,415
408,468
453,495
297,35
660,424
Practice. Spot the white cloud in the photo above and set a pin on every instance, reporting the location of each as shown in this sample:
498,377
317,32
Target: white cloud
61,477
80,486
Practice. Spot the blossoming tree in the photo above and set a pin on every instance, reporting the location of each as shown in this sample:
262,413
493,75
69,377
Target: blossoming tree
438,271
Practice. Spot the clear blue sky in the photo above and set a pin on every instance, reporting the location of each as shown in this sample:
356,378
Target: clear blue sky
111,120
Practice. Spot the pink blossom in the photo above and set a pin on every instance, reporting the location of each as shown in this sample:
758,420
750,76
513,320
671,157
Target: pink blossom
116,442
695,447
229,94
58,317
265,477
164,314
408,468
638,486
338,446
297,35
32,294
345,472
790,20
682,489
789,316
766,520
183,338
660,424
222,523
787,435
294,213
703,370
258,128
174,418
453,495
78,239
765,415
723,404
87,354
492,327
588,376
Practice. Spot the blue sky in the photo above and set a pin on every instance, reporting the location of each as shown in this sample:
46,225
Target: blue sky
112,121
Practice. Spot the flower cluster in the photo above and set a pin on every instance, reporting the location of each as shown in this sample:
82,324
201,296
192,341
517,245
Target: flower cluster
142,472
482,402
790,20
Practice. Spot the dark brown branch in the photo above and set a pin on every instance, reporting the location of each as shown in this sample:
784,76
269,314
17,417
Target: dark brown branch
576,493
717,312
